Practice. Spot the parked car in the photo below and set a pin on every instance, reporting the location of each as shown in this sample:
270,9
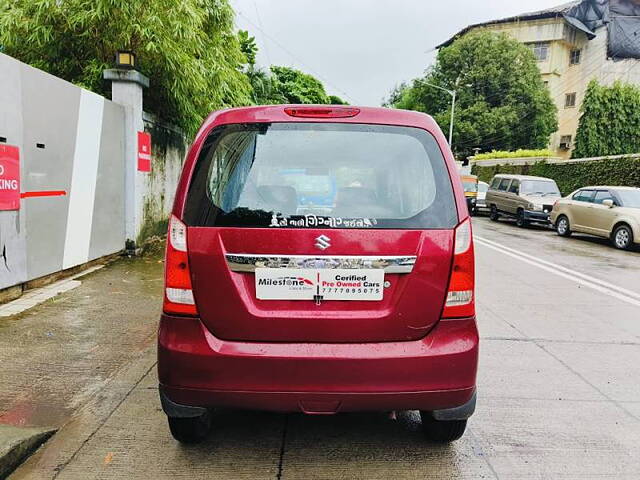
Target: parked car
525,198
269,305
470,184
481,202
608,212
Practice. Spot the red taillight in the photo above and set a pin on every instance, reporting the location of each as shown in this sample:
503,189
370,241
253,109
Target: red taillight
178,293
322,112
460,295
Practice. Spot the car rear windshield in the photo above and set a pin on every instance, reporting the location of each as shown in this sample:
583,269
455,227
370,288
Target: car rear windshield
317,175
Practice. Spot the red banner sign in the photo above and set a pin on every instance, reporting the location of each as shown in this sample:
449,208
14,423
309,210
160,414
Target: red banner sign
144,152
9,177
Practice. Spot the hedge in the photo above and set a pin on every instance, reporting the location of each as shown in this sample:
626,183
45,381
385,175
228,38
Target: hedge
517,154
572,176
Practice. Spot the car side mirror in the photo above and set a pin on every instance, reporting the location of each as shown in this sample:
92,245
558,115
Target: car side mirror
608,203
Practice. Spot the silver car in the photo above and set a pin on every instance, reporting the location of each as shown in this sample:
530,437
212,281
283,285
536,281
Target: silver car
525,198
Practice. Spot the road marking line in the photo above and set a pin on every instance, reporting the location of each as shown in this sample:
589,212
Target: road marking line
588,278
614,291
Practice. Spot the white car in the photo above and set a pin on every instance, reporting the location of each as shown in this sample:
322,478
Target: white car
481,202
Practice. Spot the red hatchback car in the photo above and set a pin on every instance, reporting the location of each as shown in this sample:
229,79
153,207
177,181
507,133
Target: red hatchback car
319,260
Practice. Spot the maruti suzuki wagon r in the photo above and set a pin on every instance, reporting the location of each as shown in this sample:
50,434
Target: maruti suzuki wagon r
319,260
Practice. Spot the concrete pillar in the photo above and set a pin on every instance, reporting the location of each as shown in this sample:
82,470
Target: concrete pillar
126,90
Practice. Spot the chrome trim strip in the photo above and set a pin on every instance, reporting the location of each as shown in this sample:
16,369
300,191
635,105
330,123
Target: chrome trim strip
242,262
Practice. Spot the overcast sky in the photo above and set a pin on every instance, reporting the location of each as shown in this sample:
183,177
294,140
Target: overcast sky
361,49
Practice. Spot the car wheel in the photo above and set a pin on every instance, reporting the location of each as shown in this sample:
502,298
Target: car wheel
494,215
520,220
441,431
623,237
563,227
190,430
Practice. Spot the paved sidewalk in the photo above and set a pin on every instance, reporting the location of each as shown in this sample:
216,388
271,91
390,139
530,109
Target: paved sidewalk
57,355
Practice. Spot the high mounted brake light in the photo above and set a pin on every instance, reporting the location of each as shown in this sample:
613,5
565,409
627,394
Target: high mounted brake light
178,292
460,295
322,112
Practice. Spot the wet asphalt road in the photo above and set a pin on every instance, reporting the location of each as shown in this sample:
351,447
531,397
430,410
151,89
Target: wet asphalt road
559,396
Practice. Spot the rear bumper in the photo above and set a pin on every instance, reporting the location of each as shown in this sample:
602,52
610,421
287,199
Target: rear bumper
316,404
196,369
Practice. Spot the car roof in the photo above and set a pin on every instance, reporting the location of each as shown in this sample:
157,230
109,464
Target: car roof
606,187
522,177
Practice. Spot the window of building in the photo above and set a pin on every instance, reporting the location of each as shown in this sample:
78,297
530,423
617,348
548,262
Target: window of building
565,142
540,50
570,100
575,57
546,83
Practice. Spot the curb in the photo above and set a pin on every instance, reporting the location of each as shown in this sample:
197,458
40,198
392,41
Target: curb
16,444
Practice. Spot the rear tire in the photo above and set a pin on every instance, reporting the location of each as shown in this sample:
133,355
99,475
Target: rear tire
494,216
521,221
441,431
623,237
563,227
190,430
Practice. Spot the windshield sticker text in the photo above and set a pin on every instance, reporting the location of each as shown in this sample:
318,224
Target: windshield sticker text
315,221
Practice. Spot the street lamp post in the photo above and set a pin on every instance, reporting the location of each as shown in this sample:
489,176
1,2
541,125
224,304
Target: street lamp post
454,95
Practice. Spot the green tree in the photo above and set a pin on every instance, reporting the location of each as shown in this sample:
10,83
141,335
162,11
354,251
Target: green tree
249,47
264,88
396,95
283,85
610,121
280,85
502,101
335,100
299,87
188,49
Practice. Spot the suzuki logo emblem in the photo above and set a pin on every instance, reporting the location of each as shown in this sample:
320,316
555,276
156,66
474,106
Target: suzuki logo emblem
323,242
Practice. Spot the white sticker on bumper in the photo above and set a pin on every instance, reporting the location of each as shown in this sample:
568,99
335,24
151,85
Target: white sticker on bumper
327,284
